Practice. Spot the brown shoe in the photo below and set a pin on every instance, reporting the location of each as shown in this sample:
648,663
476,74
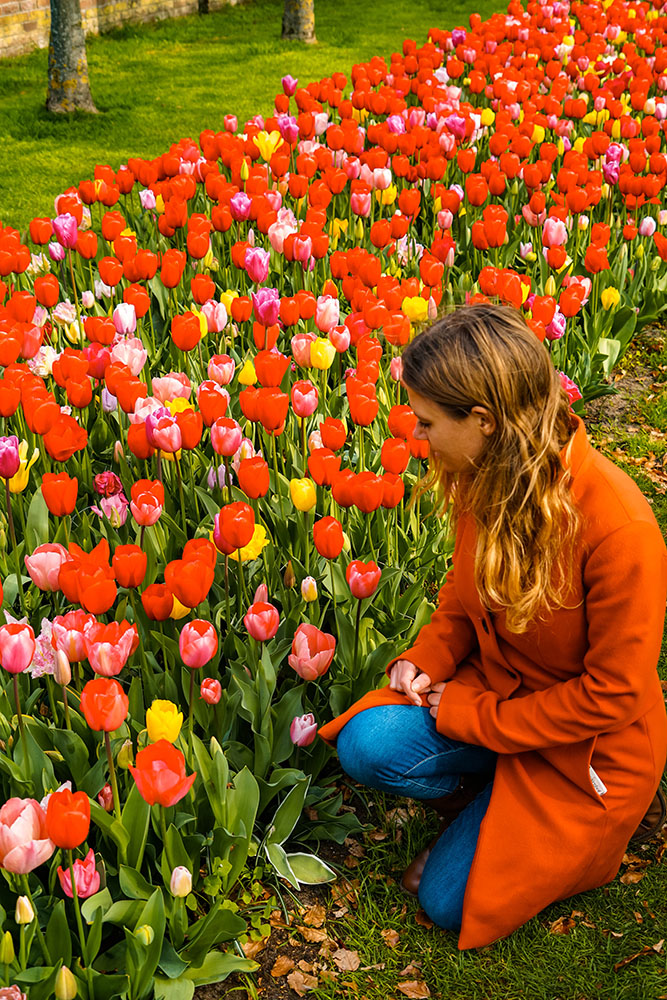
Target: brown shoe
448,808
653,821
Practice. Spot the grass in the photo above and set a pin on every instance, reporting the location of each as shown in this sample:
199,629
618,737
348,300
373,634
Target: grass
154,84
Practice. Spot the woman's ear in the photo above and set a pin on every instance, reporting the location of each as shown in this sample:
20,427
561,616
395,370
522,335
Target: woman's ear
485,420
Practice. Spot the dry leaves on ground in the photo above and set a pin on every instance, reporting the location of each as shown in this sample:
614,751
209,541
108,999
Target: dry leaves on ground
346,961
562,925
315,916
649,949
282,966
390,937
415,989
302,982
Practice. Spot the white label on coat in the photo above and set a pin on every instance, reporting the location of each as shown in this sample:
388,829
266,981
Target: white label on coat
597,782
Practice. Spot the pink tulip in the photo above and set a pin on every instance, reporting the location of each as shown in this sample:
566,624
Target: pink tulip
56,252
105,798
360,203
216,316
69,633
303,730
281,229
221,369
163,432
266,303
302,249
114,508
198,643
17,647
130,352
289,83
363,578
211,690
66,230
143,407
327,313
24,843
554,233
262,621
300,345
396,369
125,319
239,206
175,385
304,397
12,993
226,436
86,877
9,456
44,565
109,646
257,264
231,123
340,337
312,652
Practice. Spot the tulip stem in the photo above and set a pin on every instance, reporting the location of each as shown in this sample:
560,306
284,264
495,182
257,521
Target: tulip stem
356,637
163,827
112,776
76,296
52,701
180,495
12,535
40,934
23,958
229,620
242,590
190,718
19,715
333,587
68,721
304,448
275,469
79,924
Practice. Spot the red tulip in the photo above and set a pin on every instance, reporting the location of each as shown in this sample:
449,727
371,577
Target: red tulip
323,466
363,578
395,455
328,537
312,652
189,580
333,433
158,602
129,563
68,818
160,774
104,704
211,690
262,621
253,476
233,527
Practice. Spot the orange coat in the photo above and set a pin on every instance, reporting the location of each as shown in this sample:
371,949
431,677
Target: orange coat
578,690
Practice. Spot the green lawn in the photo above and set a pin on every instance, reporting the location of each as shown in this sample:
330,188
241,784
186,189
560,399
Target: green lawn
155,84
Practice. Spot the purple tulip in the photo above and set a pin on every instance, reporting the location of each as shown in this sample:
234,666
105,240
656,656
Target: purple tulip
266,303
9,456
456,125
239,206
56,252
288,128
458,36
303,730
66,230
290,83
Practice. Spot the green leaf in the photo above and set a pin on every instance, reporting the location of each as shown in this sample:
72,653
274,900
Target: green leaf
279,860
153,915
610,350
133,884
58,937
75,752
100,901
124,913
37,522
217,966
310,869
174,989
217,926
136,818
171,963
108,987
288,812
95,936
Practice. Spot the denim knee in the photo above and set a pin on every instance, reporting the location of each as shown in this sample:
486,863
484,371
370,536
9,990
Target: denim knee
359,750
442,902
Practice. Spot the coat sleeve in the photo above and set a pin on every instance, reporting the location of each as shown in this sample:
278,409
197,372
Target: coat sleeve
446,640
625,580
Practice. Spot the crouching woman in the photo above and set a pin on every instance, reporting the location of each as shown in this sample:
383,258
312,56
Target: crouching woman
529,710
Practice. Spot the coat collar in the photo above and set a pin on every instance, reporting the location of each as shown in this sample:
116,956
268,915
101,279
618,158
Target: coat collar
578,448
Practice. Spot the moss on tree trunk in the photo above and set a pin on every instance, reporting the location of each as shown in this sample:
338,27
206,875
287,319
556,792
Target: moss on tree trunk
69,89
299,20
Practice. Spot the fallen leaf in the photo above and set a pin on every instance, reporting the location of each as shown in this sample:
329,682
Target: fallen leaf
346,961
313,934
354,847
413,969
351,861
397,817
423,920
390,937
252,948
416,989
282,966
563,925
648,949
373,968
632,876
315,916
305,966
302,982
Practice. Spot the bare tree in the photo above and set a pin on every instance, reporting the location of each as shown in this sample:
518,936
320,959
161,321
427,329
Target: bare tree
299,20
69,89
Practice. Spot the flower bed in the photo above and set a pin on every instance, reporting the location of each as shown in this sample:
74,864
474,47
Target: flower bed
208,547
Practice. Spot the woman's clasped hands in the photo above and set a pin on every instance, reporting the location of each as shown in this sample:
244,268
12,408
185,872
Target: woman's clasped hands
404,676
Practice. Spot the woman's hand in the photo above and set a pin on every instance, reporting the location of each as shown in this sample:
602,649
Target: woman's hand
434,696
406,677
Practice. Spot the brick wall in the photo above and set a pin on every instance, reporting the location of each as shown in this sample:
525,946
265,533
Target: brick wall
24,24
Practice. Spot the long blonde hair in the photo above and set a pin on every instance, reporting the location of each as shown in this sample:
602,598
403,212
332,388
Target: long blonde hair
519,491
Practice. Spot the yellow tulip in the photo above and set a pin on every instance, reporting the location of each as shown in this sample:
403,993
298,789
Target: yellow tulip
610,298
179,610
338,226
309,589
179,405
253,549
163,721
227,297
488,117
302,492
19,481
247,375
267,143
415,308
388,196
322,353
159,204
550,286
203,325
244,170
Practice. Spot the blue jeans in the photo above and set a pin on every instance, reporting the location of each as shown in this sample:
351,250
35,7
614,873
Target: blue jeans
397,749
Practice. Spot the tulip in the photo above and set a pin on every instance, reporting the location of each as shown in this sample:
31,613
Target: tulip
17,647
312,652
129,564
7,953
105,798
226,436
9,456
309,589
44,565
610,298
19,481
303,494
256,263
163,721
221,369
304,396
65,230
363,578
108,647
86,877
327,313
24,913
289,85
104,704
69,634
68,818
322,354
62,671
147,501
300,346
211,690
180,883
233,526
266,304
253,476
24,841
125,321
254,547
239,206
303,730
198,643
328,537
262,621
66,987
160,774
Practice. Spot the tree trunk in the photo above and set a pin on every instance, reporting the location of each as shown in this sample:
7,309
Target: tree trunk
202,6
68,67
299,20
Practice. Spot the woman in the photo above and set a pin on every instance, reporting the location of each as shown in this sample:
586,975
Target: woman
535,680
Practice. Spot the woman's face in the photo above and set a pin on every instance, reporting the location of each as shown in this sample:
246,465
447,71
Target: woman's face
456,443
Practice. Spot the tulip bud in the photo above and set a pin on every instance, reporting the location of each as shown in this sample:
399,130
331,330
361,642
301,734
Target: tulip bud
118,452
303,730
550,285
7,953
65,986
145,934
24,912
181,881
244,171
125,755
309,589
261,594
62,672
105,798
211,690
289,579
